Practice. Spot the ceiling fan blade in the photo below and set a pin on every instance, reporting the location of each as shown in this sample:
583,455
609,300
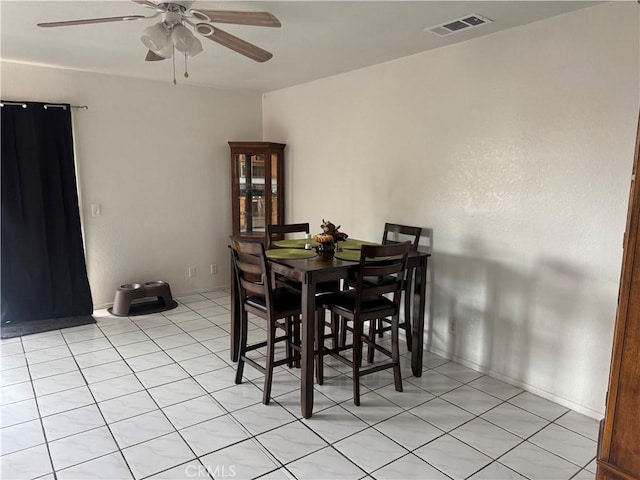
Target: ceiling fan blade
259,19
91,20
153,57
146,3
238,45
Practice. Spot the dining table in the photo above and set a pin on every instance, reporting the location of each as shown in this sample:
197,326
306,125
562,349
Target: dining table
291,260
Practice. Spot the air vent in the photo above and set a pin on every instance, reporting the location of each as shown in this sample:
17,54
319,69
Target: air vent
458,25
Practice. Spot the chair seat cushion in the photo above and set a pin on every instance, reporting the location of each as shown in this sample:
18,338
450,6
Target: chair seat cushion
371,281
384,280
347,301
285,299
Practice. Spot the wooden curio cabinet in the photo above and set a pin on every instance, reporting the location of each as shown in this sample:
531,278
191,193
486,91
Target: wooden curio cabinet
257,187
619,441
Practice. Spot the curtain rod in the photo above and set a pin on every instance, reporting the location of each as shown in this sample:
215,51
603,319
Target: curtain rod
46,105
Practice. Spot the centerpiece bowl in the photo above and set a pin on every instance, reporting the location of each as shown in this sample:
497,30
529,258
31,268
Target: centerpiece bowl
326,247
328,238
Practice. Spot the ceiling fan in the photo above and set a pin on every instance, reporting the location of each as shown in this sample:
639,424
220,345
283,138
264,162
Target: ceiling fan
171,32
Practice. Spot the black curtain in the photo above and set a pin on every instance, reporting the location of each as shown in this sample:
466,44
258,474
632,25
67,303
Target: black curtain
44,274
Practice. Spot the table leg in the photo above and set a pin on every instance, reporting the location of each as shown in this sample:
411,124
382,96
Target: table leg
308,335
235,314
420,293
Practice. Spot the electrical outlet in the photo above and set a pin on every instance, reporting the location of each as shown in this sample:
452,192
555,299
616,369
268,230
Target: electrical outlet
214,268
192,271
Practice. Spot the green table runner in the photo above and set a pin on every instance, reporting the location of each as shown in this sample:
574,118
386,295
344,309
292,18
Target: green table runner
300,242
293,243
352,245
355,244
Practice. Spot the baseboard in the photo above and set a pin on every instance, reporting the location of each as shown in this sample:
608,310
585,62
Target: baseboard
201,290
552,397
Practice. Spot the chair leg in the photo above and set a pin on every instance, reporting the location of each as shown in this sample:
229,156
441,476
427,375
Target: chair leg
268,374
395,353
408,300
380,330
296,340
290,335
357,360
335,332
244,326
319,324
372,338
343,331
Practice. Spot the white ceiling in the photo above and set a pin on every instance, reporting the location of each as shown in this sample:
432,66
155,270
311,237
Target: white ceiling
317,39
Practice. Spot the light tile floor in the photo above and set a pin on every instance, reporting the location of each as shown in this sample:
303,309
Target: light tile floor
154,397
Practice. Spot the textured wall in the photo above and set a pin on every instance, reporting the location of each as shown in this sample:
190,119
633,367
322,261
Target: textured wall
155,156
517,149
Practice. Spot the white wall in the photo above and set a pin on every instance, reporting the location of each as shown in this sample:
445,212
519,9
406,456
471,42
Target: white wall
517,149
155,156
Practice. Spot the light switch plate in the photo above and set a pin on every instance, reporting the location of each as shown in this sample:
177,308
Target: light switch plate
96,210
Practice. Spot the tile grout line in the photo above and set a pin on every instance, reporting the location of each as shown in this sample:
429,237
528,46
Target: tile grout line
373,425
208,394
176,430
75,408
230,414
119,450
44,433
476,416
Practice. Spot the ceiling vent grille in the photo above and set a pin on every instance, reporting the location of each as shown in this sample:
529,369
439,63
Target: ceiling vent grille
467,22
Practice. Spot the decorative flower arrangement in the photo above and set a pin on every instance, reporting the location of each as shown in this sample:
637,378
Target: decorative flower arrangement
326,239
329,228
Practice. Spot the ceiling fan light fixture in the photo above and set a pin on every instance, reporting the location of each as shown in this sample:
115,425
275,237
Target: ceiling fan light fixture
205,29
195,49
166,51
182,38
155,37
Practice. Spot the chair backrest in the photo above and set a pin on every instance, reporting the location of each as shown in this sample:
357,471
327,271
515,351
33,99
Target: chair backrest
278,232
386,262
401,233
251,271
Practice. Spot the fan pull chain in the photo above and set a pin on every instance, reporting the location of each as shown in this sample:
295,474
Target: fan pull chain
186,73
173,60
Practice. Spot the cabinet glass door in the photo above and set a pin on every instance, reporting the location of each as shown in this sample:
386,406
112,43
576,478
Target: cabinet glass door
274,189
257,198
251,192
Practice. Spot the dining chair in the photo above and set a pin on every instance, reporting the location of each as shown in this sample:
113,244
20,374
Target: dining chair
279,306
278,232
369,302
394,233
